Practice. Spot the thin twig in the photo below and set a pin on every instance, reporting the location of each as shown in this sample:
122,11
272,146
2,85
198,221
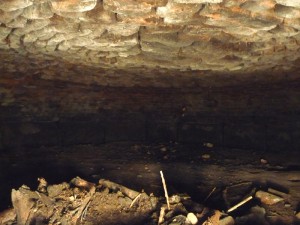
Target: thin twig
165,189
162,215
239,204
85,202
134,200
117,187
213,190
85,211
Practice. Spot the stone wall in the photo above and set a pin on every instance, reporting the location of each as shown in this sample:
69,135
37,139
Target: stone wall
262,133
262,117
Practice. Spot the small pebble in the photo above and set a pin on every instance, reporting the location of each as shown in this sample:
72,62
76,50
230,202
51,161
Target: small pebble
227,221
205,156
267,198
163,149
263,161
174,199
208,145
178,220
191,218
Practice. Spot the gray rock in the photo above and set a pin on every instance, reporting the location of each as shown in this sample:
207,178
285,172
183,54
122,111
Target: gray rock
178,220
228,220
267,198
57,189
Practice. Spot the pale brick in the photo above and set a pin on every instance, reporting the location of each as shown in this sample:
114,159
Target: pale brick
38,11
293,3
73,6
6,17
12,5
198,1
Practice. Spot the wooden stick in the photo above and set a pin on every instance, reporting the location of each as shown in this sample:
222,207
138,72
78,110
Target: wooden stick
81,183
134,200
83,215
165,189
239,204
162,215
117,187
213,190
80,210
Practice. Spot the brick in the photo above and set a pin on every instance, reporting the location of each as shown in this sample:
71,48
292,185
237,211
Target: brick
73,6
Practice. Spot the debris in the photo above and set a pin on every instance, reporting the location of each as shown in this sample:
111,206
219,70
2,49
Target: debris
57,189
214,219
117,187
239,204
165,189
30,205
22,204
236,193
81,183
298,215
162,215
178,220
213,190
8,217
134,200
174,199
208,145
285,196
228,220
205,156
42,185
256,216
263,161
84,203
177,209
191,218
163,149
79,212
267,198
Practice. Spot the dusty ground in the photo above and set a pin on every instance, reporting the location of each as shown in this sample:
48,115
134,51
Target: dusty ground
195,170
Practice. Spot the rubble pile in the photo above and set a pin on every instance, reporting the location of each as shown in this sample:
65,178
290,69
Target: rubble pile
83,202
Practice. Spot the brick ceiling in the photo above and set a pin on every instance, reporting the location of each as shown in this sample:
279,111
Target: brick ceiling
146,39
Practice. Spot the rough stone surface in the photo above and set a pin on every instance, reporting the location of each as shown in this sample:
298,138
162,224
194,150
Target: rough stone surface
294,3
12,5
73,6
201,35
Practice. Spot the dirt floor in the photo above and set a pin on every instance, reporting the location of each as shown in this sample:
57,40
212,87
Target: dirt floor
122,184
